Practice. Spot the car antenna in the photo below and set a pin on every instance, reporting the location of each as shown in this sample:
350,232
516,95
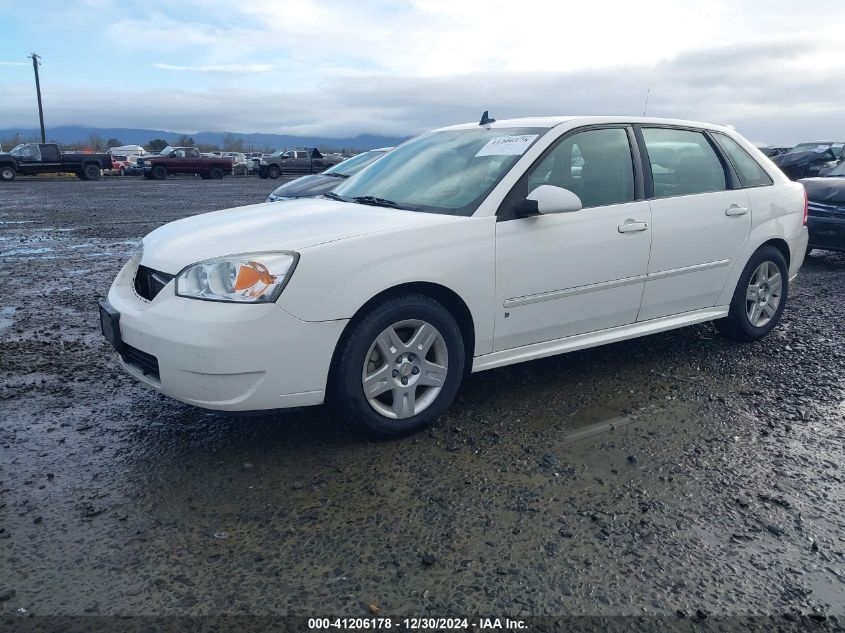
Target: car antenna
486,119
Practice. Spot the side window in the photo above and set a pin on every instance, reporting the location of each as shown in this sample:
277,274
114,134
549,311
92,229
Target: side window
302,154
749,170
49,152
595,164
682,163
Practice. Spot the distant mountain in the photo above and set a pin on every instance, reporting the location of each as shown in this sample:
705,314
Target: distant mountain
135,136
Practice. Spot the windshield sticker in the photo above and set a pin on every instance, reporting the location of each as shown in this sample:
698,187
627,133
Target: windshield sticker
507,145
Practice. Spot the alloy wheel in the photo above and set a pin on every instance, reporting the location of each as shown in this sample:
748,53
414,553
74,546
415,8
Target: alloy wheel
763,294
405,369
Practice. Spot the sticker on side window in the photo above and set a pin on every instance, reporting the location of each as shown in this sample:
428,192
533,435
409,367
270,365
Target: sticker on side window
507,145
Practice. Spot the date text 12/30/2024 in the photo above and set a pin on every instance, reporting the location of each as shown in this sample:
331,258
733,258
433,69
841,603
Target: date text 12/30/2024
414,624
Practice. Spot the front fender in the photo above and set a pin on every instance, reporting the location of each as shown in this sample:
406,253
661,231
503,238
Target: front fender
334,280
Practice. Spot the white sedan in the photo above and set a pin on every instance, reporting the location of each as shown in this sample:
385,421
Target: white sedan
465,249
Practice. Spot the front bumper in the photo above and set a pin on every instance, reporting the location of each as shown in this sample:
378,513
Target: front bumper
827,232
223,356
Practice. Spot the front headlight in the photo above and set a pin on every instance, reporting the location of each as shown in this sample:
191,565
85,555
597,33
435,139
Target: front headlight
244,278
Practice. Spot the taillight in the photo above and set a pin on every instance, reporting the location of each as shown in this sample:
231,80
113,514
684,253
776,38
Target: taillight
806,206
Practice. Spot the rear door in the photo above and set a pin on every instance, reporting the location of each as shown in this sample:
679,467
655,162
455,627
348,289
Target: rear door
701,218
301,161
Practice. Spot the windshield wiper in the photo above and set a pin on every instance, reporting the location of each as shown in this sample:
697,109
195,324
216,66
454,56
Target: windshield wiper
333,175
380,202
334,196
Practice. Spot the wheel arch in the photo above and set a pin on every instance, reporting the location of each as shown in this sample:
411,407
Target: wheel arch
779,244
447,297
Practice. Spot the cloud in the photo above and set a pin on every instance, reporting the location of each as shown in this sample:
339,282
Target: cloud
771,68
218,68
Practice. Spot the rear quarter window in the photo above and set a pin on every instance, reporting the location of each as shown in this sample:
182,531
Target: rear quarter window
750,173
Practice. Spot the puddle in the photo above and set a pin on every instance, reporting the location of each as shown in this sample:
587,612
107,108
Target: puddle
6,314
26,251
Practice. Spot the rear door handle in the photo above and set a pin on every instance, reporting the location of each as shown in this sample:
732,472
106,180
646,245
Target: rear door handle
632,226
735,210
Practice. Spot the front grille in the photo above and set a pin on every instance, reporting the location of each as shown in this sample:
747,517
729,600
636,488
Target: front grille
149,282
147,363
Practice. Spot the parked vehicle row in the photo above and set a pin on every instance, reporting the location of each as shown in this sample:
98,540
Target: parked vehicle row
464,249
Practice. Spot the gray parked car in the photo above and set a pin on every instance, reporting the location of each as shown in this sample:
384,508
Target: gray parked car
295,161
318,184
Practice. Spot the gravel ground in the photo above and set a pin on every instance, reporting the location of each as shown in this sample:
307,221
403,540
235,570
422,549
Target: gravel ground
718,490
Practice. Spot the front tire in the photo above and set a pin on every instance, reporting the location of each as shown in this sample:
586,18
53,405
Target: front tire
398,368
273,172
7,173
759,298
159,172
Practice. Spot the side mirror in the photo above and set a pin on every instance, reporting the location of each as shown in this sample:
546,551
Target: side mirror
548,199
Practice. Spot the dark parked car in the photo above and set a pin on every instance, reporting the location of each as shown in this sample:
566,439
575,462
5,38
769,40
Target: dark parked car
318,184
809,159
826,210
184,160
48,158
295,161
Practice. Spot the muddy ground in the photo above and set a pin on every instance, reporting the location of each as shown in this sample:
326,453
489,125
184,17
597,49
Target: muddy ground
719,488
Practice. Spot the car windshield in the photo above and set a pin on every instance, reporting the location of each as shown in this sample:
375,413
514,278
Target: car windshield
17,149
449,172
356,163
167,151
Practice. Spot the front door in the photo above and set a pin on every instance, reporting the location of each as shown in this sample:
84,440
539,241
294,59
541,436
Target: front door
571,273
699,225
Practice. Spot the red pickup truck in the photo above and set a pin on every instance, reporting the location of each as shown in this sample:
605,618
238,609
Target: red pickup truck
184,160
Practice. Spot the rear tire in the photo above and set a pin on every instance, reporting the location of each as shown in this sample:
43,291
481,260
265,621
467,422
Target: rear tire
409,352
159,172
91,171
7,173
759,298
215,173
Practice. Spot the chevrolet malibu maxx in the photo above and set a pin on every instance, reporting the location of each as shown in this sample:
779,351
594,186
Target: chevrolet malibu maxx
465,249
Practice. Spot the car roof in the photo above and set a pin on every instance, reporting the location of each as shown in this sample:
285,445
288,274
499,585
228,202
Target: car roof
553,121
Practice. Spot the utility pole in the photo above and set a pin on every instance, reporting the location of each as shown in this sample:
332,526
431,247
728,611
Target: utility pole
35,64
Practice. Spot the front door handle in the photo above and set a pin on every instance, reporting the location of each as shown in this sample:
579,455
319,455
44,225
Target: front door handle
632,226
735,210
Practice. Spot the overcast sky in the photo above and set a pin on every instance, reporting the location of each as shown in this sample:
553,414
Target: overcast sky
775,69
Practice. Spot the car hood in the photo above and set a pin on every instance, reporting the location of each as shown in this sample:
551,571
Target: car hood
275,226
830,190
308,186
